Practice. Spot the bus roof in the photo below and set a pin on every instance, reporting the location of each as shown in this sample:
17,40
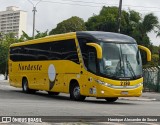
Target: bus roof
56,37
106,36
94,35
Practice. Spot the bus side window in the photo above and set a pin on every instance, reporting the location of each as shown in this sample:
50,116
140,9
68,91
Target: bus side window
84,52
89,54
92,61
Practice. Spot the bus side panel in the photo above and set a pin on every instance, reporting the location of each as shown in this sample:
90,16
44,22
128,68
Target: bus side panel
14,75
88,84
59,83
71,71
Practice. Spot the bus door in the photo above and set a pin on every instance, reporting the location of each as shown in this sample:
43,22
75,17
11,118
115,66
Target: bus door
92,68
90,62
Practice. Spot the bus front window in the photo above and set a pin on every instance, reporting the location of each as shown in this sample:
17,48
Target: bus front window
120,61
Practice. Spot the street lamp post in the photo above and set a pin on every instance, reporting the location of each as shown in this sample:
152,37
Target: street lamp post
119,15
34,13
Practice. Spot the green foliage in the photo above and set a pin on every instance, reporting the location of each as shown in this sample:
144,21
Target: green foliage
6,41
134,17
143,26
39,34
149,22
25,36
157,31
154,49
154,62
132,24
3,59
105,21
70,25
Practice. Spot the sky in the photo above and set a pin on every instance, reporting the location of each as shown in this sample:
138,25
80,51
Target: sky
51,12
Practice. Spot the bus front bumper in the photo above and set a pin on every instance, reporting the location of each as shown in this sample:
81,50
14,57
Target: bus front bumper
103,92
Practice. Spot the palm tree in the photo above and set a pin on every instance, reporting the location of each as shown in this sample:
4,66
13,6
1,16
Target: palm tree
141,26
158,31
147,24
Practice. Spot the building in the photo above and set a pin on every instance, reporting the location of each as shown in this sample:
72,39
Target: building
13,20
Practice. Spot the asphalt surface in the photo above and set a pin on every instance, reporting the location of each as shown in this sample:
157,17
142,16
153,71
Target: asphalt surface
13,102
146,96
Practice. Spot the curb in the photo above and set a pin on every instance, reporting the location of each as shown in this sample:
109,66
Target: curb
137,99
4,81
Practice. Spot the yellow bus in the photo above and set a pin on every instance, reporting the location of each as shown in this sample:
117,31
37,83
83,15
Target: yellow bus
84,64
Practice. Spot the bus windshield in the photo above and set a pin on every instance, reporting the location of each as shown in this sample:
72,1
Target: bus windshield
120,61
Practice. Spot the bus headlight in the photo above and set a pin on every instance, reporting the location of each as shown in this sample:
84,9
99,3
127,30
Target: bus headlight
103,83
140,84
100,82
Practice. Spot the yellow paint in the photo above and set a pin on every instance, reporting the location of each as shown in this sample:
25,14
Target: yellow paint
147,51
98,49
65,72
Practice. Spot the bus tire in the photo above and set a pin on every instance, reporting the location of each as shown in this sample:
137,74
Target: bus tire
53,93
111,99
25,87
75,93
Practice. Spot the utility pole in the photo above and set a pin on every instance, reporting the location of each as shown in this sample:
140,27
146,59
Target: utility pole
119,15
34,14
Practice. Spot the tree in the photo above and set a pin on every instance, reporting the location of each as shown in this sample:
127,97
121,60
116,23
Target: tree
144,26
5,42
70,25
105,21
157,31
39,34
132,24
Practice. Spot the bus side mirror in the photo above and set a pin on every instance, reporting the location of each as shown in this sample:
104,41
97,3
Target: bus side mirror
98,49
147,51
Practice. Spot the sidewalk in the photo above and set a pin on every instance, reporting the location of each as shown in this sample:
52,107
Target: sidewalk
146,96
151,95
4,81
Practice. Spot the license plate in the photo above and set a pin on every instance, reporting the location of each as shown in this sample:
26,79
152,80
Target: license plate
124,92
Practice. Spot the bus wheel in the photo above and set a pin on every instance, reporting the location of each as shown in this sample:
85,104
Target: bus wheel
109,99
25,86
75,93
53,93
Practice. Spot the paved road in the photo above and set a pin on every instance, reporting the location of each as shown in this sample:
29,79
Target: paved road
13,102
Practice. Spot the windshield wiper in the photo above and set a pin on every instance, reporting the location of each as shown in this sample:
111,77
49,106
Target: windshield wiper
130,68
119,69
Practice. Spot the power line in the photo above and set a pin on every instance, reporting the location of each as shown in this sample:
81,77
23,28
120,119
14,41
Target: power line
141,6
69,3
102,4
81,2
149,11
